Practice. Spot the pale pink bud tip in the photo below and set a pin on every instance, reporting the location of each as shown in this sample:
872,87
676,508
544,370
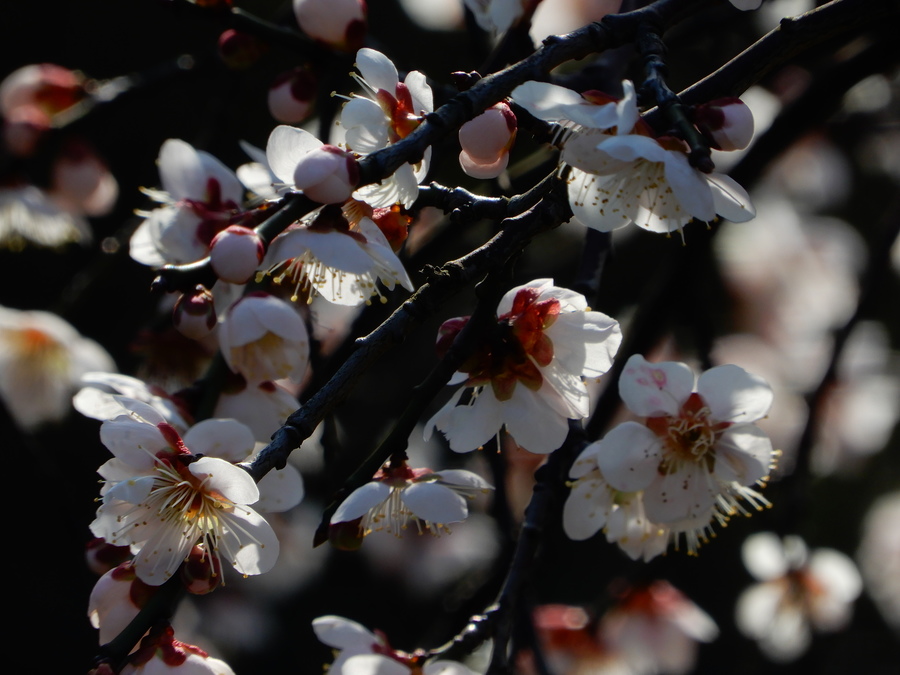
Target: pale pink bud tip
291,96
194,315
727,123
235,253
327,175
486,141
340,24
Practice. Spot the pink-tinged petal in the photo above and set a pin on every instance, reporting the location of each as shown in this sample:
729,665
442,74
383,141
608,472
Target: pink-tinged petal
587,508
533,424
435,503
360,501
231,481
463,478
344,634
690,187
286,147
377,70
483,170
280,490
629,456
541,286
743,454
586,461
372,664
226,439
687,494
764,557
730,200
247,541
734,395
652,389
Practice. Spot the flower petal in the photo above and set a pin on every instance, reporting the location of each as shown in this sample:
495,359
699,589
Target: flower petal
629,456
651,389
358,503
734,395
435,503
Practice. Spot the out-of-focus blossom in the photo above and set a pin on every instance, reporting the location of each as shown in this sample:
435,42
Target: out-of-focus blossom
194,314
291,96
362,652
116,599
621,173
324,173
327,255
264,338
398,495
200,196
42,359
657,629
593,504
486,141
527,376
878,556
161,654
100,398
798,591
235,253
571,645
390,111
29,215
163,500
746,5
697,451
497,16
340,24
263,407
81,182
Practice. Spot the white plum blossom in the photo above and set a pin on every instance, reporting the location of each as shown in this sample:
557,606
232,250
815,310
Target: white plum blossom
593,504
100,398
200,196
42,359
621,173
162,500
496,16
390,111
879,556
362,652
329,256
264,338
528,379
161,654
400,494
798,591
656,628
697,451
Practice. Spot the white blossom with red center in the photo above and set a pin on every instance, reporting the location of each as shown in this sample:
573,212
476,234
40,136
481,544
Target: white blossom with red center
390,111
162,500
398,495
327,255
161,654
657,628
697,451
362,652
798,591
621,172
42,359
527,375
200,197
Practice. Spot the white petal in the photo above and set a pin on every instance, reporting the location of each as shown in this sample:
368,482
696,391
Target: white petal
763,556
586,461
366,126
231,481
534,425
734,395
372,664
554,103
446,668
836,573
584,343
629,456
420,92
377,70
468,427
652,389
687,494
743,454
435,503
248,542
587,508
226,439
280,490
133,490
358,503
336,631
731,200
285,148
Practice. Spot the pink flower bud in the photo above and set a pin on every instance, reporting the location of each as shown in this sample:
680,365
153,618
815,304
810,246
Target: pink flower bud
201,573
81,181
240,50
195,315
486,141
327,174
291,96
340,24
727,123
235,253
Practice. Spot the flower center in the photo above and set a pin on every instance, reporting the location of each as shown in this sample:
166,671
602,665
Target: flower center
688,437
39,350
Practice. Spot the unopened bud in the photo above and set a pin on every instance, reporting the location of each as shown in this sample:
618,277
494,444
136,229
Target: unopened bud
340,24
327,174
201,572
727,123
240,50
195,314
486,141
447,333
291,96
235,253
